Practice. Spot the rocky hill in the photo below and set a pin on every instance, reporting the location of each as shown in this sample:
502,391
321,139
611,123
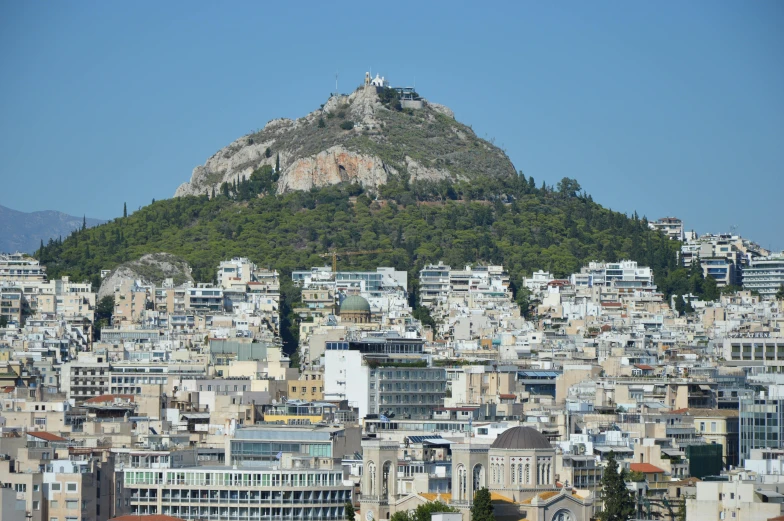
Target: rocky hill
152,268
366,138
24,231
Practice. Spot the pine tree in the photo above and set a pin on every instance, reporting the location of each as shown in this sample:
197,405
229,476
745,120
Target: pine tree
618,500
125,210
84,222
277,163
349,509
780,293
482,509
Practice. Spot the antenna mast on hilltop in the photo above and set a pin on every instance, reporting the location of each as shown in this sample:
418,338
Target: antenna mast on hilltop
336,83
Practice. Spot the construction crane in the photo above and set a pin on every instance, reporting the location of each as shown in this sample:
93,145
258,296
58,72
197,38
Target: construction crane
335,255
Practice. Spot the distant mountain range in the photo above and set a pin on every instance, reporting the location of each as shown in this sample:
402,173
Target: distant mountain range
23,231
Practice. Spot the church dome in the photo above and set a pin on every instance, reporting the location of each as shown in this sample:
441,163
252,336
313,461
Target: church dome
521,438
354,304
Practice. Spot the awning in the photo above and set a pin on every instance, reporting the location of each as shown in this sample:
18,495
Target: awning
705,387
431,441
196,416
605,448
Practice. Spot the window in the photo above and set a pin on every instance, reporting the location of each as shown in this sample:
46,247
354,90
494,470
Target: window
713,426
55,487
70,487
36,505
71,504
36,488
54,504
294,389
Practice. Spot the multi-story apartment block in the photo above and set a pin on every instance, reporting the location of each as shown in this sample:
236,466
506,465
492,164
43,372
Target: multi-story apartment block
11,305
302,487
626,275
433,284
86,377
383,375
672,227
309,386
438,282
204,298
760,350
261,445
764,275
761,421
19,268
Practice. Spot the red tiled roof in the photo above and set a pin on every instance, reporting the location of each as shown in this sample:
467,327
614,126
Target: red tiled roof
645,468
48,436
9,389
611,304
644,367
109,398
677,411
507,396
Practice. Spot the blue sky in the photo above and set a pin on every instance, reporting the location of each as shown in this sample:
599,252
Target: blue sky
672,108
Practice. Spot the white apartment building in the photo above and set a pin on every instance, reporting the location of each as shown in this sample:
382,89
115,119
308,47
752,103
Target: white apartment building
299,487
439,282
734,500
619,275
672,227
765,275
19,268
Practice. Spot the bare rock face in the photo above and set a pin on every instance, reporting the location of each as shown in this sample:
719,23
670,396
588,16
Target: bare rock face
419,172
355,138
332,166
152,268
239,159
441,109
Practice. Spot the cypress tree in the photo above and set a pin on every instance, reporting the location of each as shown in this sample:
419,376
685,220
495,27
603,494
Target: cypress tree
349,509
482,509
125,210
84,222
618,500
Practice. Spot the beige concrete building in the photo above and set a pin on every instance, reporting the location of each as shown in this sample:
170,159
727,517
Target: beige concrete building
730,500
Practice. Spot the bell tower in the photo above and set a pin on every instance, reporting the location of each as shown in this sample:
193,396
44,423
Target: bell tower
379,478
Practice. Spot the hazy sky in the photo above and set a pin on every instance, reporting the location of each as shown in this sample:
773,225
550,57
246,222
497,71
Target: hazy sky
673,108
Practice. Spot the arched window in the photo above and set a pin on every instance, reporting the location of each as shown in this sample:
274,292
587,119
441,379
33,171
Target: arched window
461,483
527,473
479,477
501,477
386,473
520,473
514,474
371,471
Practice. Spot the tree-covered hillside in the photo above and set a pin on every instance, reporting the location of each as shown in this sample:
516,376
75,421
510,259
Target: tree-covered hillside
507,221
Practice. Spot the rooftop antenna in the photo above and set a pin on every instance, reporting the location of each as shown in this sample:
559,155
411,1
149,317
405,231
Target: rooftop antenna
733,229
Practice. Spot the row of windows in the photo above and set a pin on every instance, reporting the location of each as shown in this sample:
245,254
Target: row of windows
267,479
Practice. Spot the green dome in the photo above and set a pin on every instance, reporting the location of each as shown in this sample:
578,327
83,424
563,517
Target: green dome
354,304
